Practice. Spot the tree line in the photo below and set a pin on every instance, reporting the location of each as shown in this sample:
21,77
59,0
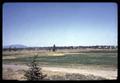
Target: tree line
54,48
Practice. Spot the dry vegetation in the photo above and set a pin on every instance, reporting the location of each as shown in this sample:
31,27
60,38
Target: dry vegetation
11,74
63,64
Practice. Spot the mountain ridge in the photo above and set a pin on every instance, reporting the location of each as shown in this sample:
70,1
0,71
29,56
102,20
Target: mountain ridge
15,46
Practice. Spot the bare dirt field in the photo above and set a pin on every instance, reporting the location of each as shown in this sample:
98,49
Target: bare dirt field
17,71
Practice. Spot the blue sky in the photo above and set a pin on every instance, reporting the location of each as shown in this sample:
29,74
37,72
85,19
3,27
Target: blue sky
62,24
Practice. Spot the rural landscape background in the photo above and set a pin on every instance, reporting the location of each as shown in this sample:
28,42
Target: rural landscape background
72,41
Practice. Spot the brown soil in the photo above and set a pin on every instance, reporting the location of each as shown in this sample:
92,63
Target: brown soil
16,71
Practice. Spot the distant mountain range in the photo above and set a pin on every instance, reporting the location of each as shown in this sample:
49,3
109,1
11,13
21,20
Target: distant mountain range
15,46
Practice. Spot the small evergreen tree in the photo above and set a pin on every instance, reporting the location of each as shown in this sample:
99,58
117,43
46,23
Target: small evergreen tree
54,48
34,72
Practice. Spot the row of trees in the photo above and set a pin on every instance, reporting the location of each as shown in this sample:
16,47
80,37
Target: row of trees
54,48
30,48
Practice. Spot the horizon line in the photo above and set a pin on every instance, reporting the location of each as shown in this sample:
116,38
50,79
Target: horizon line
60,45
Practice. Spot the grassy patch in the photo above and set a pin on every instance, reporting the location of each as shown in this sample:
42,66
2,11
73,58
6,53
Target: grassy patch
85,58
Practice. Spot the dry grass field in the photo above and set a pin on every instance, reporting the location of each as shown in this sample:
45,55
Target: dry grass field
76,64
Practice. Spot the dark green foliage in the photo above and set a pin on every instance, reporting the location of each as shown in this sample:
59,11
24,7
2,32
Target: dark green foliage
34,72
54,48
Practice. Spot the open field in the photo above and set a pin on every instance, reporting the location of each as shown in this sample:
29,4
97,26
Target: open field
89,64
16,72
